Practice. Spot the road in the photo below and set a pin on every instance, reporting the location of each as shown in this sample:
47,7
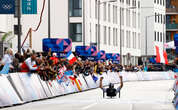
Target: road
146,95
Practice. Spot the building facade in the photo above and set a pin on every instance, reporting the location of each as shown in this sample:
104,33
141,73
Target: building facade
99,24
171,24
88,22
153,26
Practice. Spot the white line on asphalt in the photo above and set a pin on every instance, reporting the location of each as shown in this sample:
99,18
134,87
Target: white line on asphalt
131,107
89,106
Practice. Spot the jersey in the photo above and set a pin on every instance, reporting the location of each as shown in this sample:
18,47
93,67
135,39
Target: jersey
111,92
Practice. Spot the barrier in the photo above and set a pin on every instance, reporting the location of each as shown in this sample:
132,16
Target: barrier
8,96
20,87
46,88
27,80
90,82
112,77
106,79
68,86
82,80
23,87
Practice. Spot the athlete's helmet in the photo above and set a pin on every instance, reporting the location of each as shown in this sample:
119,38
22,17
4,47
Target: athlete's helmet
111,85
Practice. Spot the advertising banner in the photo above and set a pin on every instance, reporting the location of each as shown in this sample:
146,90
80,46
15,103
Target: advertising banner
29,6
7,6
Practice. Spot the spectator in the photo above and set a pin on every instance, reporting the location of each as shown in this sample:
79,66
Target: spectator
29,65
8,59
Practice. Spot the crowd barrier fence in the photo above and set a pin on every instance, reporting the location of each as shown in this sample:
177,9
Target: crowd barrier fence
175,88
19,88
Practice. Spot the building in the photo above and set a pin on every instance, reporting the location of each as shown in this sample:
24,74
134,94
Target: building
171,23
84,29
153,26
81,21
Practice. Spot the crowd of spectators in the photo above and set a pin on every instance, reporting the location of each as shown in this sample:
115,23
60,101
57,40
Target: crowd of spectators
47,65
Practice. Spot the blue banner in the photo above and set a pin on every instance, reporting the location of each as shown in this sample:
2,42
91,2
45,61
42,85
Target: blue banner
86,50
7,6
57,45
108,56
29,6
176,39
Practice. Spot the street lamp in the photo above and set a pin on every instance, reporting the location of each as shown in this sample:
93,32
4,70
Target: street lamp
99,3
146,37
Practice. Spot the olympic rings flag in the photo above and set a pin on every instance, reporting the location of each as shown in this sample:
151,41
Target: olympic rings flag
7,6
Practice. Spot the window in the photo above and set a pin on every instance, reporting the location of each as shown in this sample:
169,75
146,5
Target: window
161,18
139,20
161,38
127,39
114,14
109,35
133,43
75,8
160,2
76,32
157,1
155,35
155,17
96,32
158,36
138,4
105,35
109,15
114,36
122,17
139,43
122,38
104,12
96,9
163,3
158,17
154,1
90,9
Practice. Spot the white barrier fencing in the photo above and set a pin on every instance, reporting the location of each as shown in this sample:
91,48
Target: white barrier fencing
19,88
175,88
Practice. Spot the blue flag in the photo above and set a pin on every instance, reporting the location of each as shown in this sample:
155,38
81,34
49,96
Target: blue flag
5,69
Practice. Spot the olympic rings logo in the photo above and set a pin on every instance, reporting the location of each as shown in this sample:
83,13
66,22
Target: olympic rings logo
7,6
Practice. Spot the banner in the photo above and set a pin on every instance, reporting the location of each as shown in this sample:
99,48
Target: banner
57,45
29,6
101,55
7,6
86,50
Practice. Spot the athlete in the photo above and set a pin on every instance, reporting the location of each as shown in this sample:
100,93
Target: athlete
111,91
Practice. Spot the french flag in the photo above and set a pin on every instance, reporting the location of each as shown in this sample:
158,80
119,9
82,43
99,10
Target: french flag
161,56
70,56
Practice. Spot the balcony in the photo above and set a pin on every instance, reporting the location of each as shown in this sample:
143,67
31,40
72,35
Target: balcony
171,11
172,27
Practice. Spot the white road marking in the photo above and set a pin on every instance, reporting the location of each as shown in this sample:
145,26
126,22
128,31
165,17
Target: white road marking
89,106
131,107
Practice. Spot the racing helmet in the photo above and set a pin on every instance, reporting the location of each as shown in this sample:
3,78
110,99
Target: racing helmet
111,85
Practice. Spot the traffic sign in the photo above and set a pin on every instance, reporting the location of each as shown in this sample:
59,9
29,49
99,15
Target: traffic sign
7,6
29,6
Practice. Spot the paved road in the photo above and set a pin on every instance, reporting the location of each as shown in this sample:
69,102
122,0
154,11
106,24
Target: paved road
147,95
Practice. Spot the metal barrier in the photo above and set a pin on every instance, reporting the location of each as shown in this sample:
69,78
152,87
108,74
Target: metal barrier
18,88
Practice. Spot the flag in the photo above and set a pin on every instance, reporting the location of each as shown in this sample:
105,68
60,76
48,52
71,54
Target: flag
70,56
165,57
95,78
161,57
5,69
68,73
